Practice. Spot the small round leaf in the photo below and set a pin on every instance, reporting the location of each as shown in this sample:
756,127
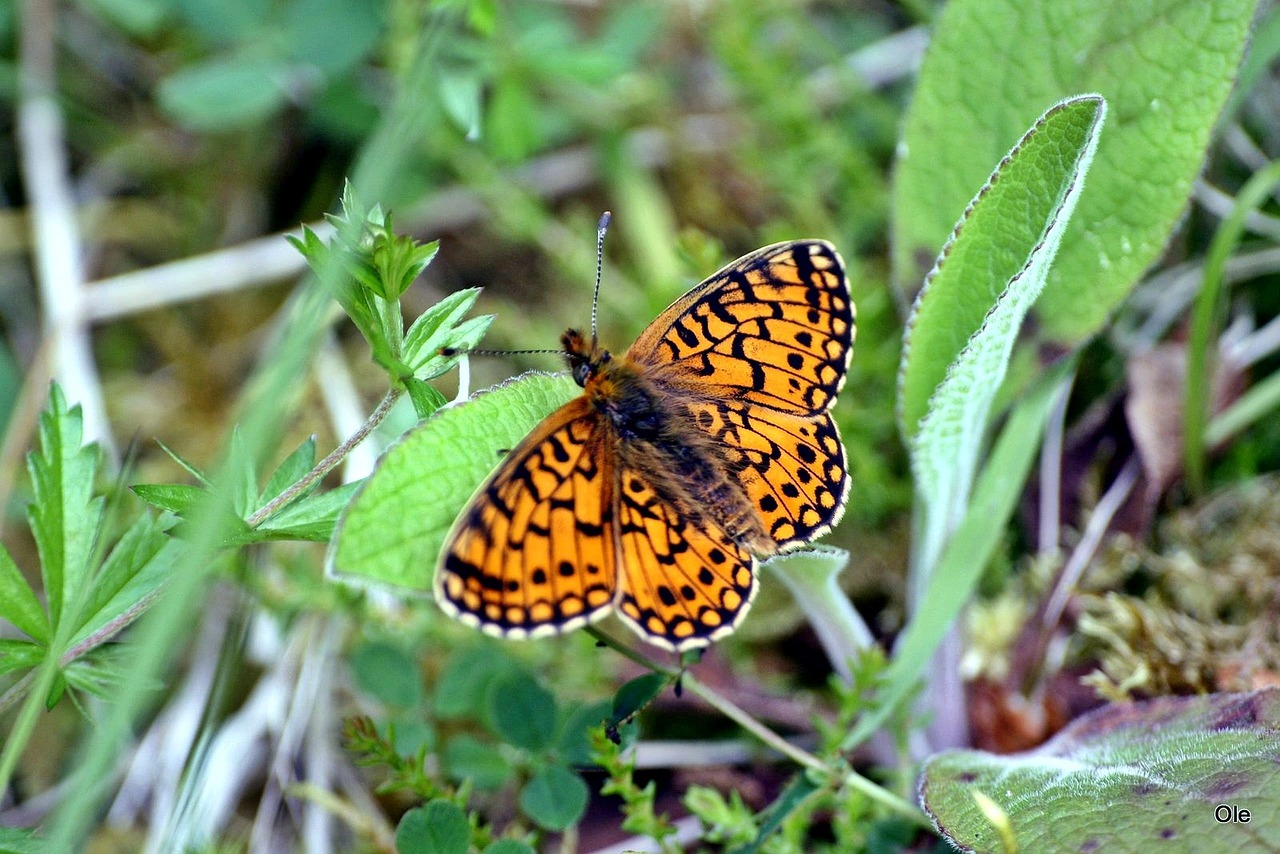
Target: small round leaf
440,827
522,712
555,798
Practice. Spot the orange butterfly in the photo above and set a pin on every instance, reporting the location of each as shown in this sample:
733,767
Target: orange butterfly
709,442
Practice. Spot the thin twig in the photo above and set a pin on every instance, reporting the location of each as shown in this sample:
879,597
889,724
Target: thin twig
328,464
1084,551
56,240
1051,470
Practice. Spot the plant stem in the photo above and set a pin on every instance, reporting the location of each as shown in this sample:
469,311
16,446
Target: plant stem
1205,319
328,464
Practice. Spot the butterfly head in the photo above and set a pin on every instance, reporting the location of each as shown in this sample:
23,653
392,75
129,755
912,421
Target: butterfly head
585,358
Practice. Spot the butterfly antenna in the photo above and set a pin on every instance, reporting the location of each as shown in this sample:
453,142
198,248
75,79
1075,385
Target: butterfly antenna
601,228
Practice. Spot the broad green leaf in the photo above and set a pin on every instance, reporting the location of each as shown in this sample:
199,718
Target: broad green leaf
1165,67
64,516
331,35
225,93
966,318
483,765
969,550
394,529
464,682
135,570
388,672
555,798
440,827
290,470
18,602
312,518
1171,774
521,712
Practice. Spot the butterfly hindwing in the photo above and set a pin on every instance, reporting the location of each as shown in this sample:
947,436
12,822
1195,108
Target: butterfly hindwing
774,328
682,584
534,552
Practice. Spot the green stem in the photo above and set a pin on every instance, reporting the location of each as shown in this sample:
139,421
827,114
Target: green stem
1205,319
328,464
770,738
28,715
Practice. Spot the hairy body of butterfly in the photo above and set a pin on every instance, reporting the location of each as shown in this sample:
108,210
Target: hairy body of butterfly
708,443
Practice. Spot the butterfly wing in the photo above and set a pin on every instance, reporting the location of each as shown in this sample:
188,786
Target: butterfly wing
774,329
534,552
682,585
792,468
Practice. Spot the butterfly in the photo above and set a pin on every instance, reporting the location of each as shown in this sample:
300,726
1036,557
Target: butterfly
710,442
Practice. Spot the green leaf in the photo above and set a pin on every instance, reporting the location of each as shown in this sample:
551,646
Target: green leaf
20,840
796,793
140,564
18,602
426,399
139,18
64,516
290,470
20,654
436,328
464,682
575,739
460,94
223,22
521,712
189,467
387,672
103,672
440,827
636,694
331,35
555,798
483,765
241,470
433,469
312,519
966,318
812,576
178,498
508,846
969,550
1132,777
224,93
1165,67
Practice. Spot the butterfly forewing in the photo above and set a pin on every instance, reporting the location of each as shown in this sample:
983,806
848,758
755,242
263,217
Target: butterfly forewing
774,328
792,467
534,553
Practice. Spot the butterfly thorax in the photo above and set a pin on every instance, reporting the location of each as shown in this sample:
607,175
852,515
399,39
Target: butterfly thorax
649,422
